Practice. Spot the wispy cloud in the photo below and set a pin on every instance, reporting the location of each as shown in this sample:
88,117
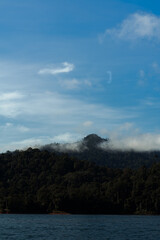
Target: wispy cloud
142,79
12,127
10,103
54,104
73,84
136,26
156,67
109,80
152,102
23,129
63,68
88,124
70,84
10,96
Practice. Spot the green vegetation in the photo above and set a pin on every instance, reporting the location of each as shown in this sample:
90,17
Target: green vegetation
35,181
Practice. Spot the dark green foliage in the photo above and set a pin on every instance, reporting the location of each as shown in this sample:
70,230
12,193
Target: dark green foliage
35,181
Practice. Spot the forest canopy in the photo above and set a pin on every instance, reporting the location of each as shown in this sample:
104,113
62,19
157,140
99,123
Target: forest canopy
39,181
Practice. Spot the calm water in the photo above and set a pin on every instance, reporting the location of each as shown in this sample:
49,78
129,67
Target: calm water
80,227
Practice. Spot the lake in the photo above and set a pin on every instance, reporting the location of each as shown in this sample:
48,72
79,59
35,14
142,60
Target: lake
78,227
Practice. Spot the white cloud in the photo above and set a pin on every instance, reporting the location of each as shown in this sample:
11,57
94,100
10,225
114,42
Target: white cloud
64,68
136,26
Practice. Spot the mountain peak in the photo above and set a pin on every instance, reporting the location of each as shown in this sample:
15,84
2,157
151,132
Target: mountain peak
93,140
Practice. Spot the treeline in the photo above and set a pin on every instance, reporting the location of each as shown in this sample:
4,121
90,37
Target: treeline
35,181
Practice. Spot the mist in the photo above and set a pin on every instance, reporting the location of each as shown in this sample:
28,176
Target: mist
139,143
65,147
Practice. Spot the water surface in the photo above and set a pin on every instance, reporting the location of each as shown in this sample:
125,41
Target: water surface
78,227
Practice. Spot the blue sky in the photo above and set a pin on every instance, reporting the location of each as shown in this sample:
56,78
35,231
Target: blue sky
70,68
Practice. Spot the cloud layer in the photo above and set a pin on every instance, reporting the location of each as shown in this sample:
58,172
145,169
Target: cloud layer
54,104
142,142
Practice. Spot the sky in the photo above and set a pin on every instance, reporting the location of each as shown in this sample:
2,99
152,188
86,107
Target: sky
71,68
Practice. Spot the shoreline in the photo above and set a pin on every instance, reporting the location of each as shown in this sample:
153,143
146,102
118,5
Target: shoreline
66,213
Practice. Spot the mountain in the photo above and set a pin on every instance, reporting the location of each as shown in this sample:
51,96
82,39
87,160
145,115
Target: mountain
89,149
93,140
89,142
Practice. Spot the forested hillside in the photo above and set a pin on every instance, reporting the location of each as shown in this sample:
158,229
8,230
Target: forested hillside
35,181
89,149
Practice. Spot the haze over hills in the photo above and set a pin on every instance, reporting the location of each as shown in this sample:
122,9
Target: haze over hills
100,151
89,142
